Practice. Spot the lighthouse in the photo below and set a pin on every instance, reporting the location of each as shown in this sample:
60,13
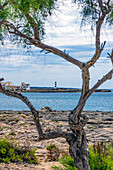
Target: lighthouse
55,87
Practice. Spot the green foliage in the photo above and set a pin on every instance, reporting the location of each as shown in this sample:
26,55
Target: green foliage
53,152
56,168
17,11
19,112
68,163
12,133
4,127
91,10
10,152
100,158
17,120
51,147
56,120
110,16
22,124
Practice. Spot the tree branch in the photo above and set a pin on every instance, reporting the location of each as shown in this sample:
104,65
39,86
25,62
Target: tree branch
105,10
88,94
42,45
35,114
31,21
53,135
101,5
96,56
1,79
2,6
33,25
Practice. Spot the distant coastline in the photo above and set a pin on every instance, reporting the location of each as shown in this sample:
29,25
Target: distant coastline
60,90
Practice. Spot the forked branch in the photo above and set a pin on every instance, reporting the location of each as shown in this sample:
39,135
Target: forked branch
35,114
88,94
105,9
96,56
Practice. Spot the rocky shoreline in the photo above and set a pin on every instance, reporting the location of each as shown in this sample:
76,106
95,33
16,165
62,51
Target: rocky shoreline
98,128
61,90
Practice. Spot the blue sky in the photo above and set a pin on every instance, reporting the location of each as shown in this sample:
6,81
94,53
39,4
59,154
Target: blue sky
64,32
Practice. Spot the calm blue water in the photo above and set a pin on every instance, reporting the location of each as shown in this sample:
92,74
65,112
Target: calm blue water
59,101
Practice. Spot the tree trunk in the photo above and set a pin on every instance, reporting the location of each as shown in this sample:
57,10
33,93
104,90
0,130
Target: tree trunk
78,148
85,83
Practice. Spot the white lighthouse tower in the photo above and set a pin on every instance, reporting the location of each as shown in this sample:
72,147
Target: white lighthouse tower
55,87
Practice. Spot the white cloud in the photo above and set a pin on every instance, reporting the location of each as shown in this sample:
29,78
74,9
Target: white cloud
42,70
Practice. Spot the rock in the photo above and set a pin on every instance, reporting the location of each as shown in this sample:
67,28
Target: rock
48,109
99,127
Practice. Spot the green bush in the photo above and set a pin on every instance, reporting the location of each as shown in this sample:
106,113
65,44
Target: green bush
11,152
100,158
53,152
12,133
51,147
68,163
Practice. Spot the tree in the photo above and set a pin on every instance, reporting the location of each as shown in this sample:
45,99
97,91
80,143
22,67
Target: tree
25,19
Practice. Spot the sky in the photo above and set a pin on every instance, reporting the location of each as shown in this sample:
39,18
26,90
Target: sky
63,31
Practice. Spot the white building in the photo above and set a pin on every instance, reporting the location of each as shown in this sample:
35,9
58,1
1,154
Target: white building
9,86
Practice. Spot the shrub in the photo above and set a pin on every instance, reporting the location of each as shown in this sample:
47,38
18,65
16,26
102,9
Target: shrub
68,163
51,147
53,152
17,120
11,152
12,133
100,158
19,112
22,124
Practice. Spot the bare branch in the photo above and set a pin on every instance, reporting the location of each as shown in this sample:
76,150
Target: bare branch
42,45
105,10
96,56
1,79
81,104
35,113
101,5
111,56
2,6
92,90
53,135
108,3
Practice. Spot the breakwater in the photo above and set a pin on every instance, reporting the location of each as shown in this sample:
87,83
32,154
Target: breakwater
61,90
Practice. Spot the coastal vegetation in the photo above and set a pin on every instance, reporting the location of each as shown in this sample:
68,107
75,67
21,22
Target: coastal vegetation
100,158
99,128
24,21
11,152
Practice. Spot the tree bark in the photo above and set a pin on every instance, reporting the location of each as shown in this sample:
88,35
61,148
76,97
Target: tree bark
78,148
85,83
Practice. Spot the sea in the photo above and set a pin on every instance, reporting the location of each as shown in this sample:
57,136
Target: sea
99,101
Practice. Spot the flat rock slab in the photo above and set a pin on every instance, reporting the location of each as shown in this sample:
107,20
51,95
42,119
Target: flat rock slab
98,128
